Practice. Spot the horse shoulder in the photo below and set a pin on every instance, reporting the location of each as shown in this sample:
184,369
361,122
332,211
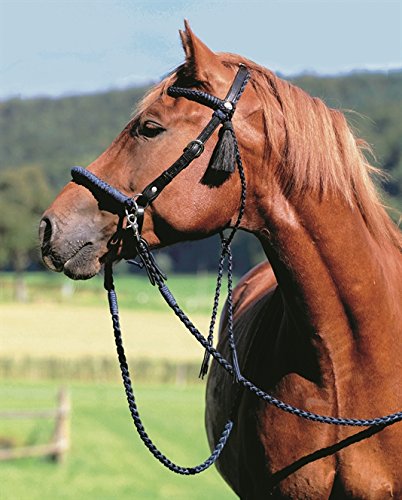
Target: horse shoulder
250,298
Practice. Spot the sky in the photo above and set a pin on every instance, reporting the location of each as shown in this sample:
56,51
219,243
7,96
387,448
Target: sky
55,48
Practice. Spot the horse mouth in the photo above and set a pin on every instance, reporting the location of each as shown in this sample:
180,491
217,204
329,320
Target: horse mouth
81,264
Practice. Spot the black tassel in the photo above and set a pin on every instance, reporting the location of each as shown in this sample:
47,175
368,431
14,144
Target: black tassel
223,157
204,365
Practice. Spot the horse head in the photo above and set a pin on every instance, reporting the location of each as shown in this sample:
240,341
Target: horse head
78,231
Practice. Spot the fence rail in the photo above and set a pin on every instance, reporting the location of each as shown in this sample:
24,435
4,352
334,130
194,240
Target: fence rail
28,414
60,441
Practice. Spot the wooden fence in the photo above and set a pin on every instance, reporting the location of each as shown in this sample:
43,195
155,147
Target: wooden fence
60,442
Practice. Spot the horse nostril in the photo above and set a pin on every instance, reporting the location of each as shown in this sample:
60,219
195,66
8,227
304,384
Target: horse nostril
45,232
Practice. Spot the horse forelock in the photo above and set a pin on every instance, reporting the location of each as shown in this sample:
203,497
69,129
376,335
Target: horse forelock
320,154
155,92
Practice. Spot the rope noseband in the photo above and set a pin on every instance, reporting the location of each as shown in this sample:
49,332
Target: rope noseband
134,209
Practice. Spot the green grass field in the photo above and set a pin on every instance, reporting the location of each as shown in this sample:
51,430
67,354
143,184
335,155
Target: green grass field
76,343
70,336
107,460
194,292
60,331
67,330
73,326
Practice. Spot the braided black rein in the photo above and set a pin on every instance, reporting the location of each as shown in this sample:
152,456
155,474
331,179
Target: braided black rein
113,306
134,210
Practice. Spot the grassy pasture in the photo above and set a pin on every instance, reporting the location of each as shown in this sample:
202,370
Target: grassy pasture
62,331
67,333
71,327
64,342
194,292
107,460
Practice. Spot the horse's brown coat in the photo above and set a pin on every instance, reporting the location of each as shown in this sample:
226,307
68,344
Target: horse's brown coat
321,327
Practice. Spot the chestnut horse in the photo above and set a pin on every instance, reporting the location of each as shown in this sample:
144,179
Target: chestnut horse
320,326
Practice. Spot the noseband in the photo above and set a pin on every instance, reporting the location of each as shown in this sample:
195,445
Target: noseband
134,208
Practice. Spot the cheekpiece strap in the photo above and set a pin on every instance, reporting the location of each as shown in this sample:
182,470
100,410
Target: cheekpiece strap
223,112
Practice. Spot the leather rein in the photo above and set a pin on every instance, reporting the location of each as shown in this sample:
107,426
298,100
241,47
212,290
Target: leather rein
133,208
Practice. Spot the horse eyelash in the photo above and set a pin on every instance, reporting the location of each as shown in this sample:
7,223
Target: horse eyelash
147,132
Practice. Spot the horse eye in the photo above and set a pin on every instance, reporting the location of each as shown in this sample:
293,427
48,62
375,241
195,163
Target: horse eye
150,129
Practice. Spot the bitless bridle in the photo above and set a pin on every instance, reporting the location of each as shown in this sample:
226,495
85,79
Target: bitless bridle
133,208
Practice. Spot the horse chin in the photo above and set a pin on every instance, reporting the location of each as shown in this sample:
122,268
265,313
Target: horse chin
83,265
81,272
78,263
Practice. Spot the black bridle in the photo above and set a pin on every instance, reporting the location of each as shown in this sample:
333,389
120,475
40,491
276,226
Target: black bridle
134,208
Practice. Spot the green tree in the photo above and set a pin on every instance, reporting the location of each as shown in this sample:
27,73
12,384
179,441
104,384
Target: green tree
24,194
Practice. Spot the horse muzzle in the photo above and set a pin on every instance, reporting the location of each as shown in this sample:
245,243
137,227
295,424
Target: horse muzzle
74,254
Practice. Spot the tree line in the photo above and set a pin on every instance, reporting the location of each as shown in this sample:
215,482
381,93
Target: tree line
41,138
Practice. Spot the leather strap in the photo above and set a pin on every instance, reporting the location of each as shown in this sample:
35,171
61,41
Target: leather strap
237,88
224,110
192,151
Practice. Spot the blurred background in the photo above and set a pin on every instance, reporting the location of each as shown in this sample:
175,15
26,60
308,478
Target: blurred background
71,73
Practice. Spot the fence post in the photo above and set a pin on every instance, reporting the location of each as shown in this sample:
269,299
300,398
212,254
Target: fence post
61,435
181,374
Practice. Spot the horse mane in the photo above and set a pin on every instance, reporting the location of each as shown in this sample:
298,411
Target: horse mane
320,154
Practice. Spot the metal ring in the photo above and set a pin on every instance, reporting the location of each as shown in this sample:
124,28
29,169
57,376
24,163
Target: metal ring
136,209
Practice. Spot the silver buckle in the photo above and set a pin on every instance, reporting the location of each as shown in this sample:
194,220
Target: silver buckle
199,143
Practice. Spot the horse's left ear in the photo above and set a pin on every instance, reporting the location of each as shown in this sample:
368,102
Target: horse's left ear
202,63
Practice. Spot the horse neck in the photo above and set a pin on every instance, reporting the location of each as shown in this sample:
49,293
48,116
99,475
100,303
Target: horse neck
341,288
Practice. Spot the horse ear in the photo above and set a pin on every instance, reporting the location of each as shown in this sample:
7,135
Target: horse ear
202,64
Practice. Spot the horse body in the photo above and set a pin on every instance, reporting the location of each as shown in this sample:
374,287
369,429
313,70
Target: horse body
344,362
322,328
